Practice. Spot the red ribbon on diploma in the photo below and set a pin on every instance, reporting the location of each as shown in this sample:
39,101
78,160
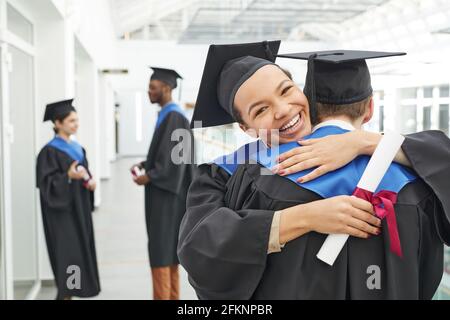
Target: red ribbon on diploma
383,204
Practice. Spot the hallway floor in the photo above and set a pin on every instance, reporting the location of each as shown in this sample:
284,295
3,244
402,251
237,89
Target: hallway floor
121,241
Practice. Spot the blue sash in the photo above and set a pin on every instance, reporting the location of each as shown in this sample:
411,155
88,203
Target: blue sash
72,149
241,156
340,182
172,107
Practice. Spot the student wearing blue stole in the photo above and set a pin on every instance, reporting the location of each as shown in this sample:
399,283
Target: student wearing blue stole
260,233
166,183
67,202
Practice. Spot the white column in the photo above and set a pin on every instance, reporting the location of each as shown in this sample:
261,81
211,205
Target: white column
107,126
54,67
87,104
435,109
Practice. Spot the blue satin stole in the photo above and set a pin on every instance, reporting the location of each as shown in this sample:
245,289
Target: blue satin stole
172,107
339,182
73,149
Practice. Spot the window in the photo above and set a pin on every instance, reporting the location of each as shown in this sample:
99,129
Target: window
381,119
444,91
409,93
428,92
444,117
409,123
380,94
426,118
19,25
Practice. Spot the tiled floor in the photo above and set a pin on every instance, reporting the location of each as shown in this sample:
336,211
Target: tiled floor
121,241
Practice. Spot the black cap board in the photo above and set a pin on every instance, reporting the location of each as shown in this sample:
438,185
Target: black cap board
56,109
227,68
338,77
167,76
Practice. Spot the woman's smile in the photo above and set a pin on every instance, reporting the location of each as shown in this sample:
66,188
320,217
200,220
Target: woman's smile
292,126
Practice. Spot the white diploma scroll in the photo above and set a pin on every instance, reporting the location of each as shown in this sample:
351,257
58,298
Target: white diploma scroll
138,172
86,177
372,176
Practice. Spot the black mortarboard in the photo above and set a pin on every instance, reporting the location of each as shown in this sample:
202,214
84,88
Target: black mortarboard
167,76
337,77
53,110
227,68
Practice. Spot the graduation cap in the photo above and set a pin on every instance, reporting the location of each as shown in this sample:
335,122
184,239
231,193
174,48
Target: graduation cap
227,68
337,77
56,109
167,76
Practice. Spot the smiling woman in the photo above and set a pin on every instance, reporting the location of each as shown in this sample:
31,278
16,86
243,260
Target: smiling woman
279,105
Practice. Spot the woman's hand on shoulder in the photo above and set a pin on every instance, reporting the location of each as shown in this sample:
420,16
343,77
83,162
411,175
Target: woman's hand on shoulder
325,154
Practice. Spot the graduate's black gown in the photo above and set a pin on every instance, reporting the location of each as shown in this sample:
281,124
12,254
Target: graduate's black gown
67,216
225,233
165,195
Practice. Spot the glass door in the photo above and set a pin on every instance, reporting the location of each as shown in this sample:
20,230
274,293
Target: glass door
23,190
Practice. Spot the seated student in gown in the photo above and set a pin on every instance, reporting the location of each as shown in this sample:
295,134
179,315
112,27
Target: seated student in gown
67,193
234,210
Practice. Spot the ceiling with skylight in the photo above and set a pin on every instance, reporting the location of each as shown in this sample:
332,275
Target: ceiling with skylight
206,21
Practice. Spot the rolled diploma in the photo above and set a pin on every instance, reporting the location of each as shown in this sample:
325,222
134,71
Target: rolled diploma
87,178
137,172
376,169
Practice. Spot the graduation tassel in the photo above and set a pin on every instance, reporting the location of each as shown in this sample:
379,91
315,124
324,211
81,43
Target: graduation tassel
180,90
268,51
311,94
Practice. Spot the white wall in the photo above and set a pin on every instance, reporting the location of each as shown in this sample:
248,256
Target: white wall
137,119
55,69
92,23
107,126
88,109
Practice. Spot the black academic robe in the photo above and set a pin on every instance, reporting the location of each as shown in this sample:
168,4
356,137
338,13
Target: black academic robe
67,217
227,226
429,154
165,195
